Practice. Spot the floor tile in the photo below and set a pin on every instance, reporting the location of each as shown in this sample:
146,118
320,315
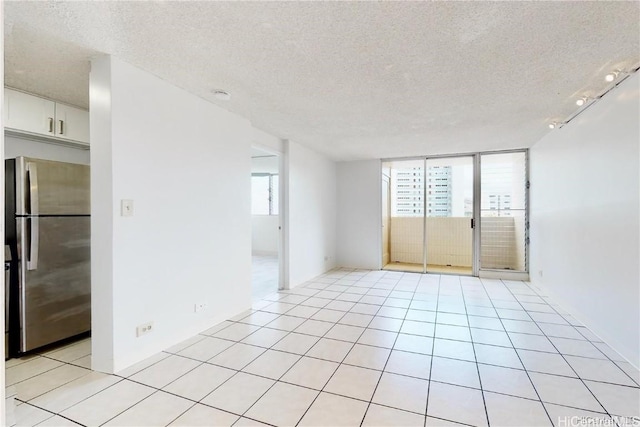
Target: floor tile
531,342
316,302
452,319
548,318
204,416
328,315
457,372
455,403
237,356
137,367
310,372
564,391
356,319
302,311
453,349
459,333
201,381
617,400
71,352
331,410
260,318
414,343
421,316
236,332
399,391
340,305
392,312
345,333
246,422
165,371
485,323
352,381
283,405
265,337
491,337
561,416
514,382
29,369
278,307
75,391
362,308
474,310
549,363
371,299
205,349
220,326
410,364
328,349
47,381
367,356
286,323
103,406
238,393
599,370
500,356
27,415
296,343
378,338
272,364
438,422
388,417
58,421
184,344
577,348
561,331
158,409
418,328
314,327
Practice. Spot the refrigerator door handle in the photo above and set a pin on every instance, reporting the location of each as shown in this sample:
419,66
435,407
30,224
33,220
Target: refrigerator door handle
34,242
32,173
34,209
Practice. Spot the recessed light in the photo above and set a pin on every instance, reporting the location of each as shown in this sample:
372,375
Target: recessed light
552,125
580,102
222,95
611,76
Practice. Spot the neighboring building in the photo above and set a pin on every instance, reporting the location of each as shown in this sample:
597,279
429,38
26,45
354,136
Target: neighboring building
439,191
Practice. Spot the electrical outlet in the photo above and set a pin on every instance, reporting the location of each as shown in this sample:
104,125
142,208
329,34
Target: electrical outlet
126,207
200,306
144,329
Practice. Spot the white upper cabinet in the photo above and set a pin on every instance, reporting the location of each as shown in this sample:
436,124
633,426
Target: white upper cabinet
31,114
28,113
72,123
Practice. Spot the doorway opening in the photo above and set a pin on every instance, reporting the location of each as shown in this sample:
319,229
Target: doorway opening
265,223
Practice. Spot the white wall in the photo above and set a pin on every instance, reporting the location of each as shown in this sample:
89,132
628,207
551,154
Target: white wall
359,214
14,147
155,145
311,221
264,234
585,214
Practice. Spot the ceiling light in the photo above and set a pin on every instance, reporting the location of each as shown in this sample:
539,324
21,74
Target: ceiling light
580,102
552,125
222,95
611,76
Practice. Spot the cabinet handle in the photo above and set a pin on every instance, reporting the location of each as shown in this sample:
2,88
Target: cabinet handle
50,124
61,127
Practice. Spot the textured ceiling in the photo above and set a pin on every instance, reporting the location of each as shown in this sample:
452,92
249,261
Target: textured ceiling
350,79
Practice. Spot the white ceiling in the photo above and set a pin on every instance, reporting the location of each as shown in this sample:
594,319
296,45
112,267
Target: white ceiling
352,80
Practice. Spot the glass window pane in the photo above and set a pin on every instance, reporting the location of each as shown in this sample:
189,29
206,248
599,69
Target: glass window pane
503,211
260,195
275,197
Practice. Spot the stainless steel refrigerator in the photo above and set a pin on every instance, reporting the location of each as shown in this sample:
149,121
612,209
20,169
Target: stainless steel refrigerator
48,231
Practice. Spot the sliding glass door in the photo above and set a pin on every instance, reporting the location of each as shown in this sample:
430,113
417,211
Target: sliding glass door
431,211
449,215
404,228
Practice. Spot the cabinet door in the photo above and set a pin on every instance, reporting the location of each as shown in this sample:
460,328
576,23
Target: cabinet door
28,113
72,123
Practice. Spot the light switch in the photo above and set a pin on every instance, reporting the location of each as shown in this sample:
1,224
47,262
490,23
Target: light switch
126,207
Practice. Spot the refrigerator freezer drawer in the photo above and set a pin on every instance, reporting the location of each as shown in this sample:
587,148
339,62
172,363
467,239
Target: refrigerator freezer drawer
55,296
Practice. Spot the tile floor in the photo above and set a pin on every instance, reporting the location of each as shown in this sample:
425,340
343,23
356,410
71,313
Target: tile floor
264,275
354,348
